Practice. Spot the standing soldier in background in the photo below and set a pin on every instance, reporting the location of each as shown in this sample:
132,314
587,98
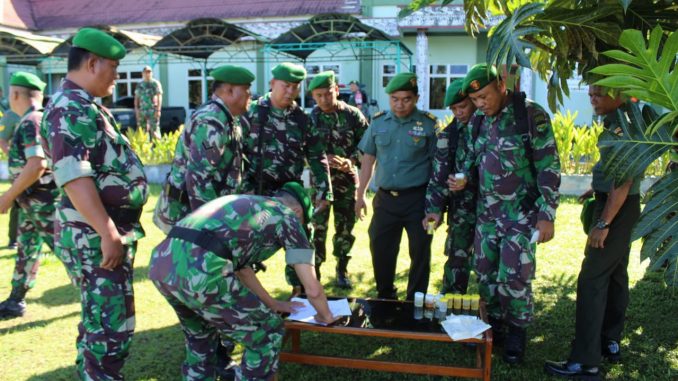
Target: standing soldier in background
148,103
8,123
358,98
341,127
208,156
514,150
402,142
32,187
451,152
280,140
104,192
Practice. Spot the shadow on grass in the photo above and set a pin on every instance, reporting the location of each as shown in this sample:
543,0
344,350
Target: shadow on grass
38,323
58,296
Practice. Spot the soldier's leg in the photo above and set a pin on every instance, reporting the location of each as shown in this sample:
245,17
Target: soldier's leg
320,221
516,272
143,122
70,259
201,338
419,244
344,221
13,228
154,122
107,299
385,232
486,266
458,249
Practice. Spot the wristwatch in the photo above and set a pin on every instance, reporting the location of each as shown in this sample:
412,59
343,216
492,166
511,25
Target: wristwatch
601,224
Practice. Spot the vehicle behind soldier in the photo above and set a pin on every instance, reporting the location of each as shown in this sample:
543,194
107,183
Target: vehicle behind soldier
450,154
341,127
205,269
32,187
514,150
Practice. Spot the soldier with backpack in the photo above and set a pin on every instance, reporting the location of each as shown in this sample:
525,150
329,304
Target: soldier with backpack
514,151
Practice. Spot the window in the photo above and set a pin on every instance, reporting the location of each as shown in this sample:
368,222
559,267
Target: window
195,88
126,84
313,70
387,73
440,78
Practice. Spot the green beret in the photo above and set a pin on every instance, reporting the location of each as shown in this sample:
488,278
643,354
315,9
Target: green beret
100,43
298,192
235,75
289,72
478,77
454,94
29,80
402,82
323,80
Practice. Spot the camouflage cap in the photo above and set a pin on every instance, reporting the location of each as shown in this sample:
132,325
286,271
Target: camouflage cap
478,77
29,80
454,94
402,82
235,75
100,43
323,80
297,190
287,71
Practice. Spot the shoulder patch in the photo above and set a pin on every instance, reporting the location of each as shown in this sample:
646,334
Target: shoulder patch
379,114
431,116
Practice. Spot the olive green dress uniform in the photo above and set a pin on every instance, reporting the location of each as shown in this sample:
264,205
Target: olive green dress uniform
404,149
603,283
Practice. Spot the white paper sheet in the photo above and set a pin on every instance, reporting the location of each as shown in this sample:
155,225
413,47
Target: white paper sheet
307,312
460,327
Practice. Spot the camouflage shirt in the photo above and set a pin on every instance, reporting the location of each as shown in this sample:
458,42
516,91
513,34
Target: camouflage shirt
288,140
254,228
437,192
505,179
340,131
84,141
146,92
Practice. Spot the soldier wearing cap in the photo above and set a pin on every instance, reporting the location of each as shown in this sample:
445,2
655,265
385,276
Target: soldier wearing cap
402,142
204,269
148,103
208,158
341,127
32,187
514,151
104,190
280,140
449,158
8,122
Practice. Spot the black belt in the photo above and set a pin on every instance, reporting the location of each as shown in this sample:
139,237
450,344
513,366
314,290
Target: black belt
38,187
119,215
175,193
403,192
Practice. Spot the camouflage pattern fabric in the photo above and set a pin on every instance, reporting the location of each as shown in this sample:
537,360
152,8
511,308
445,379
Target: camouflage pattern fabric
207,163
510,202
461,207
85,142
288,142
36,213
146,91
207,295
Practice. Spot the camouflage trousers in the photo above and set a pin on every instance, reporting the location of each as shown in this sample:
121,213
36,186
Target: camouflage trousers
459,250
150,122
211,306
505,263
107,318
36,227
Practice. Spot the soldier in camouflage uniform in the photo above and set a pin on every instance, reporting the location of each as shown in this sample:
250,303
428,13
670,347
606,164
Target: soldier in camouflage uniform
105,189
33,188
204,269
518,178
279,140
208,156
461,218
341,126
148,103
8,123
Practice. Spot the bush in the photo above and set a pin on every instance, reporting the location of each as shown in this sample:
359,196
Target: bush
159,152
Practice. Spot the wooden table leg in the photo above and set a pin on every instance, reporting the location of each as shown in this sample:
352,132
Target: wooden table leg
296,340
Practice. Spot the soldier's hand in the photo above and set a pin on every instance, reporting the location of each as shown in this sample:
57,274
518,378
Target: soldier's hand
5,203
435,217
454,184
546,231
597,238
360,207
326,319
321,205
286,307
585,196
113,252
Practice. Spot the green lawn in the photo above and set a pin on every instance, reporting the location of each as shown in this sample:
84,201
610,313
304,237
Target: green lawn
40,346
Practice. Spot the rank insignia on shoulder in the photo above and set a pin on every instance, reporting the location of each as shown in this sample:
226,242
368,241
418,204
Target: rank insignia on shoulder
431,116
379,114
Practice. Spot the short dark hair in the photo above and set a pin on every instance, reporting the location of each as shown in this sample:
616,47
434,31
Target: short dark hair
216,85
76,57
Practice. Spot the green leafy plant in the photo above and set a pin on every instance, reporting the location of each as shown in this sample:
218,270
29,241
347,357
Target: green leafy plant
563,129
161,151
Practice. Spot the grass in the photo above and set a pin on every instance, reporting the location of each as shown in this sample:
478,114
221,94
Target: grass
40,346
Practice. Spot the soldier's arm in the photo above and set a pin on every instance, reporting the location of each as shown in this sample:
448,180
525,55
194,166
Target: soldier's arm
248,184
208,142
547,165
317,160
360,130
436,191
159,95
34,168
4,146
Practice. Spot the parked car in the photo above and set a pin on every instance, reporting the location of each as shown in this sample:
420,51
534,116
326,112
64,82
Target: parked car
171,117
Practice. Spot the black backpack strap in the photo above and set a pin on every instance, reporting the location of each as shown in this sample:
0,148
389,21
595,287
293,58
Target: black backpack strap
524,127
452,139
263,119
475,128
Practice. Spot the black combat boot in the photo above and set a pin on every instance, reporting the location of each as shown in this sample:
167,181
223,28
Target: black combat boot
342,276
514,347
15,305
498,334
